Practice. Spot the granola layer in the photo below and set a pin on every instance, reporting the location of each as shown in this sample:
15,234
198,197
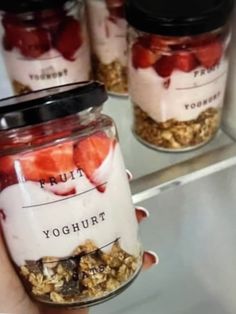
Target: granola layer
20,88
174,134
113,75
88,274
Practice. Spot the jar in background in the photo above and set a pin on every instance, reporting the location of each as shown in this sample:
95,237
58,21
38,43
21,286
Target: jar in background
45,43
229,112
66,209
108,29
178,65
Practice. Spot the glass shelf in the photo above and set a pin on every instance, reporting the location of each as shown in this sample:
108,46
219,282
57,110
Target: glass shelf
155,171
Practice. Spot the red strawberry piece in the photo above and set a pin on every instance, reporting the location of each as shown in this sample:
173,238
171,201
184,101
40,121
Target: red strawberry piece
67,193
50,19
142,57
68,38
209,54
2,215
48,162
157,43
165,66
31,42
117,12
90,153
186,61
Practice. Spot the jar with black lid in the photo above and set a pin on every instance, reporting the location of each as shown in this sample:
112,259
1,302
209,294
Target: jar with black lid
109,30
178,64
65,203
45,43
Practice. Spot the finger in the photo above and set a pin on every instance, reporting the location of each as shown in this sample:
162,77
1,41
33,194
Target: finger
129,175
150,259
141,213
13,298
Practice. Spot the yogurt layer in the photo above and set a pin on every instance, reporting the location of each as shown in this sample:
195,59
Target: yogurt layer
33,214
182,97
50,69
109,38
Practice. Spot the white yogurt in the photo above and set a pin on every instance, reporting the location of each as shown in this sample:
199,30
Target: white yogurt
51,69
32,232
109,39
187,95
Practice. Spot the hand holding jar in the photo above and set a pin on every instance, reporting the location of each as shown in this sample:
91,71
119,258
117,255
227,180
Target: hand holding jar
66,209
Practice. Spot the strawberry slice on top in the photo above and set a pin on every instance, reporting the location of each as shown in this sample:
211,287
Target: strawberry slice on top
186,61
89,155
210,54
32,42
48,162
68,39
143,57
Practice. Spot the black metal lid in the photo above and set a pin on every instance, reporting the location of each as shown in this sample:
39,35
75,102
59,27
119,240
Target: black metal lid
19,6
178,17
49,104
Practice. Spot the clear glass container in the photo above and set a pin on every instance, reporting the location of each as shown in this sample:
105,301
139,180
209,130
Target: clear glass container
177,77
66,209
108,29
45,43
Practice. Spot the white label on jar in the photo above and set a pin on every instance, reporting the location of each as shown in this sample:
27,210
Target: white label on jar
47,71
109,37
38,223
183,96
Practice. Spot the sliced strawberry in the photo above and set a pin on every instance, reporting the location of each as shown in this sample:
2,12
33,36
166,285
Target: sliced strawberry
68,38
144,41
117,12
157,43
31,42
186,61
142,57
50,19
209,54
2,215
90,153
48,162
165,66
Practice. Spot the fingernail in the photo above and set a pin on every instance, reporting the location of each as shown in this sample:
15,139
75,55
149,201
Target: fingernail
143,212
129,174
153,256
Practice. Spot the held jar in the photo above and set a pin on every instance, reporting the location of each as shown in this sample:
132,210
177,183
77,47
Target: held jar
45,43
65,203
108,29
178,63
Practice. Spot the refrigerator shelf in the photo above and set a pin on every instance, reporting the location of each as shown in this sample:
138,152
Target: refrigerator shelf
154,171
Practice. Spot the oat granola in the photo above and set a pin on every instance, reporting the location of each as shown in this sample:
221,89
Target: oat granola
89,273
113,75
174,134
20,88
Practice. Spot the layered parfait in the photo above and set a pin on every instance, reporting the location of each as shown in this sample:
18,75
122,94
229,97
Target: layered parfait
46,48
68,219
177,87
108,29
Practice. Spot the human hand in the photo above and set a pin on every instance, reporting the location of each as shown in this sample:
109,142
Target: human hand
13,298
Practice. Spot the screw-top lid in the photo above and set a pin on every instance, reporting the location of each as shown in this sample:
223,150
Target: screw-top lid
22,6
50,104
178,17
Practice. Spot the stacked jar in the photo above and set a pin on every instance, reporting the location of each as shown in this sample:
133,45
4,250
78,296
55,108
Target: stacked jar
45,43
178,64
65,203
108,29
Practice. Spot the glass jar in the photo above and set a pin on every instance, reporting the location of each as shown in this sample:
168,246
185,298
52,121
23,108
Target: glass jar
178,64
229,112
45,43
66,208
108,29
